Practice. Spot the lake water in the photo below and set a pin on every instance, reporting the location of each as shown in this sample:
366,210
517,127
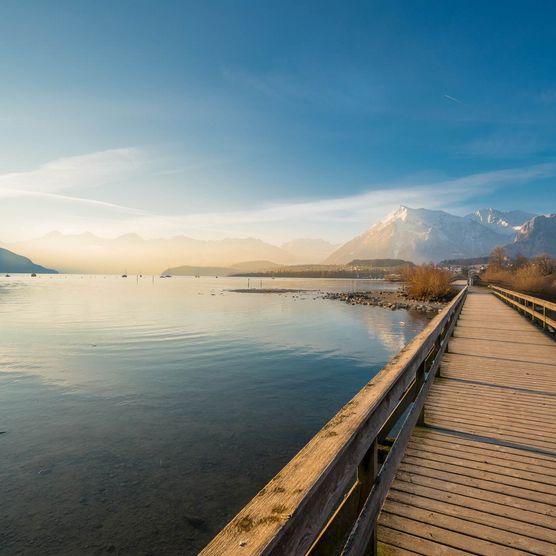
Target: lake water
138,417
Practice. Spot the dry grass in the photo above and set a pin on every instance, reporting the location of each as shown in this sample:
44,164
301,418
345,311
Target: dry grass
530,277
427,283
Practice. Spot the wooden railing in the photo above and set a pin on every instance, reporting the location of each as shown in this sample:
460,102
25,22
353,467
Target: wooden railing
541,311
327,498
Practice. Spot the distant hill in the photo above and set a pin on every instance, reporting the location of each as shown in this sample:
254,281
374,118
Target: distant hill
379,263
255,266
186,270
248,266
377,268
536,237
11,262
464,262
420,235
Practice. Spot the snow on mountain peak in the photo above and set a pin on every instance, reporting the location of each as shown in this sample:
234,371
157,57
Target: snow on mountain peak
502,222
420,235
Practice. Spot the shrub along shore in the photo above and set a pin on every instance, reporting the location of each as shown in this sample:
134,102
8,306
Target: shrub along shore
427,289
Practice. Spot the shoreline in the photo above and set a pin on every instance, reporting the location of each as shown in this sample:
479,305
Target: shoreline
387,299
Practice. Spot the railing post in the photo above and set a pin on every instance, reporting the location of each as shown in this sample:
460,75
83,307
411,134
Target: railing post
544,317
366,475
419,381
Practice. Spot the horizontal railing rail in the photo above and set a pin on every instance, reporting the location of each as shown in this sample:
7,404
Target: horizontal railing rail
327,498
541,311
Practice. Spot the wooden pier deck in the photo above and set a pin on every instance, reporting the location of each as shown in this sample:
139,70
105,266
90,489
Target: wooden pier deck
480,476
449,449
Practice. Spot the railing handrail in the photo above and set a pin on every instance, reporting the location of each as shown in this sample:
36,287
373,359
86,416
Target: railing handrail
519,301
293,511
537,300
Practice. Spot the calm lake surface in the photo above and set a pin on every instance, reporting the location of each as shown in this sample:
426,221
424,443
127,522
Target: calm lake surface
139,417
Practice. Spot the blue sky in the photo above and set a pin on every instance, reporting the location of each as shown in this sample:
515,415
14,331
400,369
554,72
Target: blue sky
271,119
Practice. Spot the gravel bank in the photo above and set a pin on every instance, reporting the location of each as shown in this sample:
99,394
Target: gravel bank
388,299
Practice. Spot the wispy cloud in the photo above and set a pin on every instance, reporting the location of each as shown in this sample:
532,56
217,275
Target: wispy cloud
76,172
352,213
49,198
454,99
335,89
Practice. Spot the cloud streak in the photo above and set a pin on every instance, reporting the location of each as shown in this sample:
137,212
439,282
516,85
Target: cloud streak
350,212
76,172
454,99
54,187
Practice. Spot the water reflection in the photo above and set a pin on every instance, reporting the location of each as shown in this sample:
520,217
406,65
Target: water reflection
139,418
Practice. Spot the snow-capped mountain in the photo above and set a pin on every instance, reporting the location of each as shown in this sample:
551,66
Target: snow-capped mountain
420,235
536,237
508,222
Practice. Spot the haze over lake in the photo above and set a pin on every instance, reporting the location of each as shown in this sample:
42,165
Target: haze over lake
139,417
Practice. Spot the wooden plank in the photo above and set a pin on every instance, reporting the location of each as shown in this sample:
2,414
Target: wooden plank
430,435
404,541
548,493
496,376
471,523
459,476
525,417
488,348
471,333
497,422
504,396
528,523
526,463
485,431
540,482
492,368
441,536
453,485
390,550
497,403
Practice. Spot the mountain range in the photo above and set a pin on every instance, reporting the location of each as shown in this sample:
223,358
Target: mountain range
418,235
88,253
423,235
537,236
507,223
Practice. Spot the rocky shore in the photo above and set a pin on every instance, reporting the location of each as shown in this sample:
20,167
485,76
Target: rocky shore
393,300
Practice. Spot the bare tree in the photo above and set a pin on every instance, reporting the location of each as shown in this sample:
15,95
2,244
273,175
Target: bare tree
545,264
498,258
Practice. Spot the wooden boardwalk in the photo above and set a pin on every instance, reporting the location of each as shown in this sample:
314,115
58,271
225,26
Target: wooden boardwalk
480,477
